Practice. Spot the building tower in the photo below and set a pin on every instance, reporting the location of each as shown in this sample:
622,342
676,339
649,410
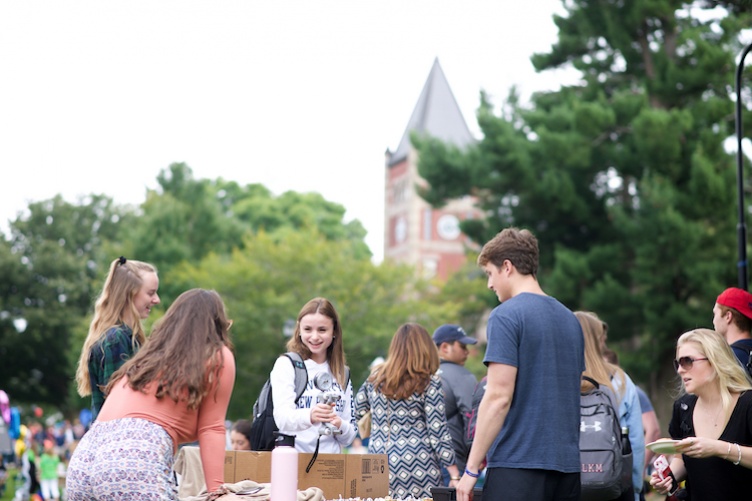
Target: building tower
415,232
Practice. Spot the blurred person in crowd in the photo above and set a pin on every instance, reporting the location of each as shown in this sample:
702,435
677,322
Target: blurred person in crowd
116,333
49,462
650,425
458,384
174,391
614,378
240,435
318,339
535,357
408,421
365,440
732,317
712,419
357,447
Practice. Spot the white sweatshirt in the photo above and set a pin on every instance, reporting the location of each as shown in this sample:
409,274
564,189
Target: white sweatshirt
296,420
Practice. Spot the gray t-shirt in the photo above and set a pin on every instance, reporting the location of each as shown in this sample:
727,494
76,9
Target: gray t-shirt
543,340
458,384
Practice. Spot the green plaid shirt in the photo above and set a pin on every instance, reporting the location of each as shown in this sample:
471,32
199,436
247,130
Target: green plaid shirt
107,356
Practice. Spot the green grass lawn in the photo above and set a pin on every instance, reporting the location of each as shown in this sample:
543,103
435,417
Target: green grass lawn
10,485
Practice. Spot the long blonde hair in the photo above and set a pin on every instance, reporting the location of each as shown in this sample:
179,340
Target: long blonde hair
731,376
123,282
596,366
410,363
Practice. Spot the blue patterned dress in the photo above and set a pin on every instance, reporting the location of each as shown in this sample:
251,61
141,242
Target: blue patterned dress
413,433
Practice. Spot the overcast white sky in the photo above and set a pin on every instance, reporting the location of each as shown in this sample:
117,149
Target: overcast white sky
305,95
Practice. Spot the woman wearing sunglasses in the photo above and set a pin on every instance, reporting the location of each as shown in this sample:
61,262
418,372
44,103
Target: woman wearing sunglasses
712,421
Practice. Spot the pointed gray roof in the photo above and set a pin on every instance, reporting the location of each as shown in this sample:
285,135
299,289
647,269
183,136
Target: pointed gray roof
436,114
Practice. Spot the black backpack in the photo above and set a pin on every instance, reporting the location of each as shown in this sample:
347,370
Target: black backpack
746,346
263,425
471,418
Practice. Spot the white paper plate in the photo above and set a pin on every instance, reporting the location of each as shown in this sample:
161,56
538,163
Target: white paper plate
663,446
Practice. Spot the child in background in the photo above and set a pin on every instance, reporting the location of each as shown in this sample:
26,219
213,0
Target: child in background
240,435
48,464
61,470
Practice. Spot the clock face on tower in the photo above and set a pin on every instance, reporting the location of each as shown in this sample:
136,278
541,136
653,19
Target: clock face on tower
400,229
448,227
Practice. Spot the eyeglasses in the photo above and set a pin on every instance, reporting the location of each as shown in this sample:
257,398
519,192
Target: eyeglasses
462,346
686,362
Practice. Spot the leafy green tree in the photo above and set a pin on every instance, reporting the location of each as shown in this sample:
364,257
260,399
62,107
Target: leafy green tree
48,268
623,177
187,219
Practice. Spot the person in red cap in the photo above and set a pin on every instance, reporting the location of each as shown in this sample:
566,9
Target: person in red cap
732,317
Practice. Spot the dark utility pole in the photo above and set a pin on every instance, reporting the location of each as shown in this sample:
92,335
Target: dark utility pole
741,228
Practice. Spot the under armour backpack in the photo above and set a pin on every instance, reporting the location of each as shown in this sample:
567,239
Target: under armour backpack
600,444
263,425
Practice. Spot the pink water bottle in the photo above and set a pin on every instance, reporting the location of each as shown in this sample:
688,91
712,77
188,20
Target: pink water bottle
284,469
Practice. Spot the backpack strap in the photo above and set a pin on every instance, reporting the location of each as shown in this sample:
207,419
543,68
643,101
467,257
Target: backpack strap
592,381
745,346
301,373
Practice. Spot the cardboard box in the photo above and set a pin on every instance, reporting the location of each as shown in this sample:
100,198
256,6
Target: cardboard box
338,475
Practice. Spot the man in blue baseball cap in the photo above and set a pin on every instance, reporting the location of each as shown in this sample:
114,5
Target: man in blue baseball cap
458,383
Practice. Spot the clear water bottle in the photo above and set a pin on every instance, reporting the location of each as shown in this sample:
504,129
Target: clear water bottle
284,469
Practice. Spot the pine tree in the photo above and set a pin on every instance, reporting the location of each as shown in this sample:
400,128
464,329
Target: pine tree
623,177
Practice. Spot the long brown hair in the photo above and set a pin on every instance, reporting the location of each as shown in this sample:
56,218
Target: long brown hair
123,282
410,363
183,355
335,354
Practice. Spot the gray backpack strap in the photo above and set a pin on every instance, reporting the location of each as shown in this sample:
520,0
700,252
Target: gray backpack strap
301,373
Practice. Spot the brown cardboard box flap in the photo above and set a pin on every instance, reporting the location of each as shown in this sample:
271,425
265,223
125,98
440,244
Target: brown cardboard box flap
338,475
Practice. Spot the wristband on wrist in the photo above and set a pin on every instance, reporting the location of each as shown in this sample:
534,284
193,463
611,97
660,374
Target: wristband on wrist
474,475
454,478
674,486
728,451
739,460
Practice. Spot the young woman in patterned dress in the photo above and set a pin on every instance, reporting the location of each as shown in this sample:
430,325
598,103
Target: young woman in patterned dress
406,401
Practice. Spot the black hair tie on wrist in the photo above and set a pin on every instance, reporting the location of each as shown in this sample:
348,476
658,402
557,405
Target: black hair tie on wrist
122,260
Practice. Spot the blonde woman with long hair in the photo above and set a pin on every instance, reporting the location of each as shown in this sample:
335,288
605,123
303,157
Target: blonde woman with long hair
712,419
406,401
116,333
614,377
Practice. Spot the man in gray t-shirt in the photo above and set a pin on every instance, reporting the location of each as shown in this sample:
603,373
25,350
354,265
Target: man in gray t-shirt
528,425
458,384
